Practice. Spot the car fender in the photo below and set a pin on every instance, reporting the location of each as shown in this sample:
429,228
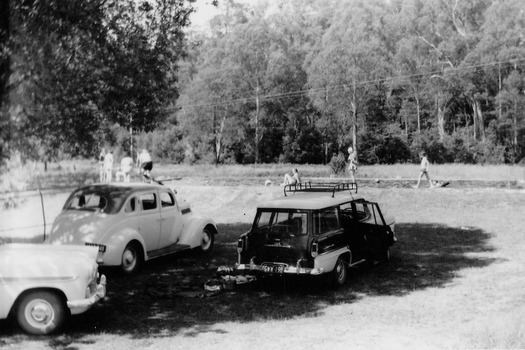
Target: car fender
327,261
116,244
65,270
192,231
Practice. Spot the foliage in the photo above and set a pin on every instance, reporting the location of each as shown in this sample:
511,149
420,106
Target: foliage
338,164
297,81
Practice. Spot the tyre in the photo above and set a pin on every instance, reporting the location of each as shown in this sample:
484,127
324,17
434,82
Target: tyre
208,239
386,255
41,312
131,258
339,273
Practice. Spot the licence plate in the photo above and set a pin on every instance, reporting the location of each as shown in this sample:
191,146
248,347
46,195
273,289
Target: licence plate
273,268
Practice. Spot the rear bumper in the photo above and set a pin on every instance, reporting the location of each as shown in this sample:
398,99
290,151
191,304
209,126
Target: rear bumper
79,306
278,269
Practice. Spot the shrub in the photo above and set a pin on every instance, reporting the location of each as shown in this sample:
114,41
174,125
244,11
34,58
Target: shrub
338,164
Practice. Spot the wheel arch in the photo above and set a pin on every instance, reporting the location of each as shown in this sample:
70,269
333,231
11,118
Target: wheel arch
58,292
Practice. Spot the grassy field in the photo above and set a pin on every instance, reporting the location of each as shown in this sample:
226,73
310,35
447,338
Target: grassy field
75,173
456,278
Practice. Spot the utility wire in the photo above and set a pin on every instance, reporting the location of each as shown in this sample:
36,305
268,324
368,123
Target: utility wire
333,88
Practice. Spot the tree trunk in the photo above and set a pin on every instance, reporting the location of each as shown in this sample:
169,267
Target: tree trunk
440,119
257,111
515,122
418,106
5,63
478,119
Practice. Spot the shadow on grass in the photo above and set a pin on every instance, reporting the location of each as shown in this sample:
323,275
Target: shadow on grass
167,296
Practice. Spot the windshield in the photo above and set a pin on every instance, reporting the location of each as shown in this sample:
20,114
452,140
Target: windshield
281,223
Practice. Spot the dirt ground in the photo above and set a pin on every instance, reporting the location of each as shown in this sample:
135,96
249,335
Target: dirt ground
456,280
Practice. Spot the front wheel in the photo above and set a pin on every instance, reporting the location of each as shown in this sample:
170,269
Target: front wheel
339,273
41,312
208,238
131,258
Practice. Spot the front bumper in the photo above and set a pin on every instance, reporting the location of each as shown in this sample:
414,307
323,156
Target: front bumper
79,306
278,269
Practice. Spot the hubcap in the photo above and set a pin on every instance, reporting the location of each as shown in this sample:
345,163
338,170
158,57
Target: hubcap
205,240
128,259
39,313
340,271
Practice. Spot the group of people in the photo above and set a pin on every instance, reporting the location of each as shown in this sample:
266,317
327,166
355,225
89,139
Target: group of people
144,163
352,168
294,178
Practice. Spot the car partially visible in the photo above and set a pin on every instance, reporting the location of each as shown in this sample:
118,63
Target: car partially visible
42,285
131,223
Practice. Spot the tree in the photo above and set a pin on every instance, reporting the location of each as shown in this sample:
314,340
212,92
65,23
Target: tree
347,64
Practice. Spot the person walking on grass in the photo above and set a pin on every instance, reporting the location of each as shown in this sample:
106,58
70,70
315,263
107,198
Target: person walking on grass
424,170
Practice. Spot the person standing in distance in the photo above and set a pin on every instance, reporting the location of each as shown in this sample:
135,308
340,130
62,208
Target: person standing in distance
352,163
145,164
126,164
108,166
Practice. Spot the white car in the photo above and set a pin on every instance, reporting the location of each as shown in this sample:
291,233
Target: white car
40,285
130,223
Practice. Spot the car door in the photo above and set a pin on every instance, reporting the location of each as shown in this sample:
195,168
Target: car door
171,223
149,219
372,225
328,230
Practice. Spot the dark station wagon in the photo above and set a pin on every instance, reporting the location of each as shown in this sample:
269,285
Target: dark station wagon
315,229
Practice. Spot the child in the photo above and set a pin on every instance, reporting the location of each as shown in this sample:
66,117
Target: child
424,169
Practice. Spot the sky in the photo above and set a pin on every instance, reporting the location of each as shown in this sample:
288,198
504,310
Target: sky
205,12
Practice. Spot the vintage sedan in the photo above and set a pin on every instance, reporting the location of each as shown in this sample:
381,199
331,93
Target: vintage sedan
315,229
130,223
40,286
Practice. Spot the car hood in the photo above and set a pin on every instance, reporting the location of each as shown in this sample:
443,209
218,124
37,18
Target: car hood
78,227
19,260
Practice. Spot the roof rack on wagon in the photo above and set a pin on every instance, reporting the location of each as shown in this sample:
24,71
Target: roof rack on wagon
321,187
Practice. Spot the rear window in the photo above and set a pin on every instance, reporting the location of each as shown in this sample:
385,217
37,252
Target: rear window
292,222
96,198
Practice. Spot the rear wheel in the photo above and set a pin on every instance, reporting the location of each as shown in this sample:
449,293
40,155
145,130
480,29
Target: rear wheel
208,239
339,273
41,312
386,255
131,258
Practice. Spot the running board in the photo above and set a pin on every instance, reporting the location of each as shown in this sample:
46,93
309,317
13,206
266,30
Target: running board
168,250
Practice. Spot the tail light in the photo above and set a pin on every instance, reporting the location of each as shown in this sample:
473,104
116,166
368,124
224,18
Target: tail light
315,250
240,245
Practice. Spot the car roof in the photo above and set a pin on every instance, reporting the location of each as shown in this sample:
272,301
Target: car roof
121,186
309,201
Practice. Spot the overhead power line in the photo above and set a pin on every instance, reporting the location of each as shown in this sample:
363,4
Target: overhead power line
339,87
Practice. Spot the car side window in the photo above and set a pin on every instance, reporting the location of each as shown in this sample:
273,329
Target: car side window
362,211
131,205
325,220
167,200
149,201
